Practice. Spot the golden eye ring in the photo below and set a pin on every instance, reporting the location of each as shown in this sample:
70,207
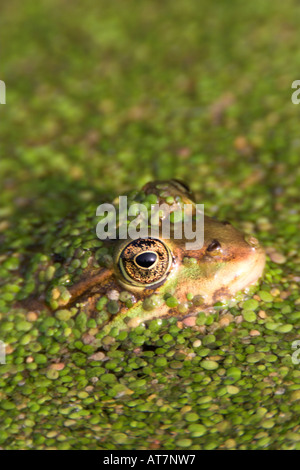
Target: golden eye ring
144,262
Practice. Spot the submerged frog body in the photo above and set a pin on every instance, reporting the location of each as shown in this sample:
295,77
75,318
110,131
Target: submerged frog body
143,278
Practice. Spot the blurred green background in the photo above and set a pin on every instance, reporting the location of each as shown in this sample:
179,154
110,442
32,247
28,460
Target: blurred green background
104,96
101,98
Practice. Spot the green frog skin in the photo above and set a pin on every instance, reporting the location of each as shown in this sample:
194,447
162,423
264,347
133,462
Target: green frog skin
151,278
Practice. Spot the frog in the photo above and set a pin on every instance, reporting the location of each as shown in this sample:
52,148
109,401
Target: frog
130,281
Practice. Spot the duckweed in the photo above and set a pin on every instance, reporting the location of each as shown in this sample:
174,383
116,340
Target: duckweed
249,316
209,365
166,106
172,302
265,296
250,304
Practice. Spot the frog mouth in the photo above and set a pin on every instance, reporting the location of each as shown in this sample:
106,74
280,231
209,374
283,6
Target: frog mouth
255,268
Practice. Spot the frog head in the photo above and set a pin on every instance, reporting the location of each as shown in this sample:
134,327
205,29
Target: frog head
156,276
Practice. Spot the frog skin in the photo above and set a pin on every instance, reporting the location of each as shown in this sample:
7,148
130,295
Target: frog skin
227,263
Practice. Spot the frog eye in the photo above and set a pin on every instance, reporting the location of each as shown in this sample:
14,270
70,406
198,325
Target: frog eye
145,262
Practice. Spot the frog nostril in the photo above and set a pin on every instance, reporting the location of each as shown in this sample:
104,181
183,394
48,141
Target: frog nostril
214,245
146,260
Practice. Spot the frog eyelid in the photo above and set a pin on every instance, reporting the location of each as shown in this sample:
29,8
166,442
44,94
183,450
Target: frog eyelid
181,185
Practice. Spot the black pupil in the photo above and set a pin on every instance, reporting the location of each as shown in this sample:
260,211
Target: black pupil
145,260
